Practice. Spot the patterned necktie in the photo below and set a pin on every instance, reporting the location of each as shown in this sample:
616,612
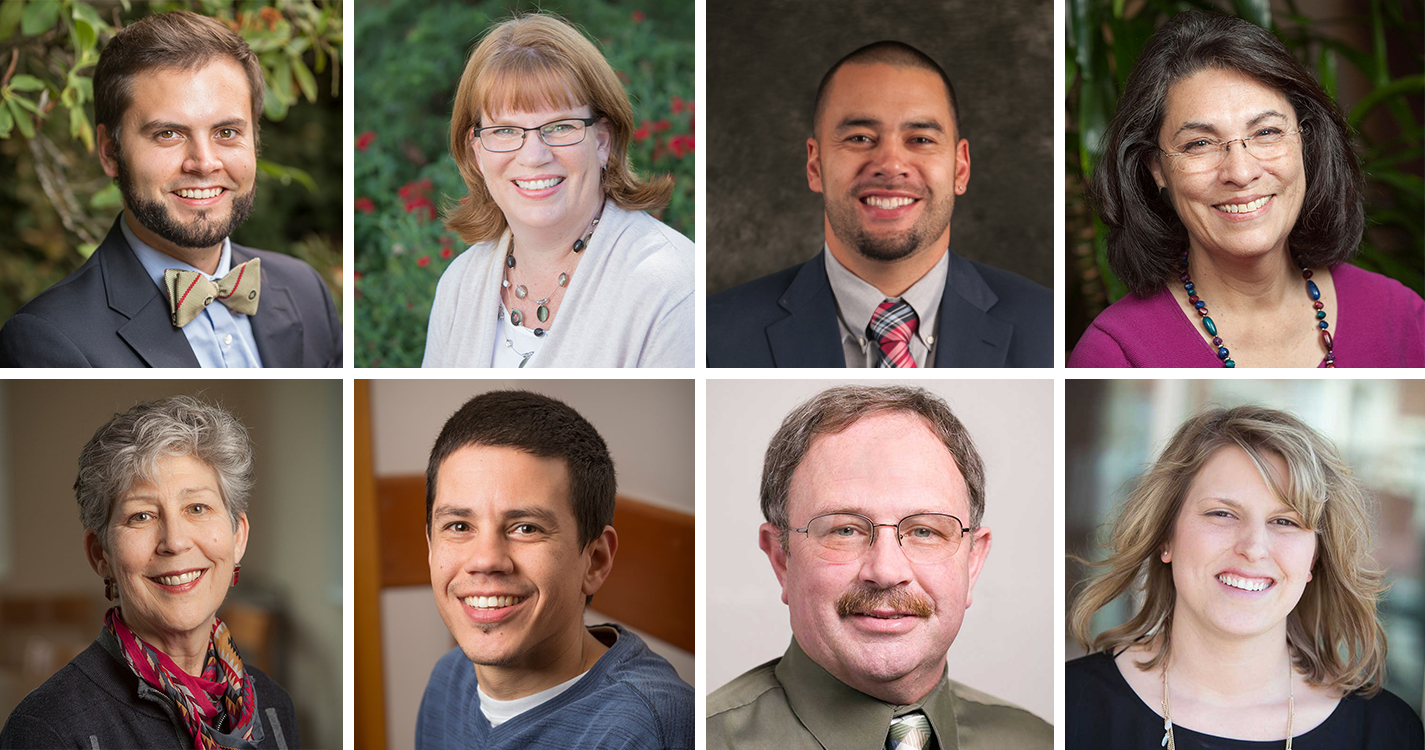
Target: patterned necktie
892,326
190,292
909,732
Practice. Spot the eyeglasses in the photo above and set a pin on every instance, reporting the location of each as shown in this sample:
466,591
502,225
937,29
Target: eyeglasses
925,537
565,132
1206,154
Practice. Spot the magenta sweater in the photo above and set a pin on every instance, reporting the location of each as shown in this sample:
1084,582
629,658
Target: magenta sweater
1379,323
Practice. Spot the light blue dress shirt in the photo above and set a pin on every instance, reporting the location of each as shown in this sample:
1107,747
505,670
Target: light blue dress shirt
219,337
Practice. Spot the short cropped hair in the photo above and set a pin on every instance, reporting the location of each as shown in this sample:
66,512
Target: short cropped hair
834,410
540,426
889,52
1145,235
532,62
176,40
127,449
1335,636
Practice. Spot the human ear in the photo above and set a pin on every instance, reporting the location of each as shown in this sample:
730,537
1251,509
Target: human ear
94,551
601,560
1155,166
769,538
813,165
240,538
962,167
108,151
979,551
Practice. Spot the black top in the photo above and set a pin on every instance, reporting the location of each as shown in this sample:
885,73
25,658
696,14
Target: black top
97,701
1101,712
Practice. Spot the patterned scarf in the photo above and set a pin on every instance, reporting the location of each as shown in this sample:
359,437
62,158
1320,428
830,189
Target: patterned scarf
218,702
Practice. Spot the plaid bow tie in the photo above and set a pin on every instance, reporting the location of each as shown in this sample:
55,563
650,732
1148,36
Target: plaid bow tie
189,292
892,326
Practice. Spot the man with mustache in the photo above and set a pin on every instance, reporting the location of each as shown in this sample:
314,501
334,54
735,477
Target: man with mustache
887,156
873,498
177,101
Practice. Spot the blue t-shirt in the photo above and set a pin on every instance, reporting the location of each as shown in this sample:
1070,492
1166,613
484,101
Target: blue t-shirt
631,698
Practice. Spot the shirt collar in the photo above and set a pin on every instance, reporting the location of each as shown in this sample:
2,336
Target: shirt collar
857,300
844,718
155,262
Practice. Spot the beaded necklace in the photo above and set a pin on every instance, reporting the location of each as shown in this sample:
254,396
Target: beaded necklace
1312,291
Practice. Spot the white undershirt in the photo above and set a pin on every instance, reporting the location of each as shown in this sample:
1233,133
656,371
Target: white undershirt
499,712
521,341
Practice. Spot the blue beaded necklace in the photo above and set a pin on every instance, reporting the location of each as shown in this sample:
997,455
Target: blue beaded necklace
1311,291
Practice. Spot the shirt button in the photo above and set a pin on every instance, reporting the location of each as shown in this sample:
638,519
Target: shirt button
930,341
863,343
227,339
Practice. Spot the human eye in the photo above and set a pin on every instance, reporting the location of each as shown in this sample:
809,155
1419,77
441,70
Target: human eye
140,517
459,527
860,139
1219,514
526,530
558,128
504,133
167,136
1290,523
199,509
227,133
1197,146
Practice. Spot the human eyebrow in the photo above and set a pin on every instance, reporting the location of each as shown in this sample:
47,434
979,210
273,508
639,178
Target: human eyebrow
1203,126
442,512
157,126
535,514
236,122
1255,121
856,122
924,125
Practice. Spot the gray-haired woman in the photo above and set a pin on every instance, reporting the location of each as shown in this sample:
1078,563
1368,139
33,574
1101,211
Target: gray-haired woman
162,493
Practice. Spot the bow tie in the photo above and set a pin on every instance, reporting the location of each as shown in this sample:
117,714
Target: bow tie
190,292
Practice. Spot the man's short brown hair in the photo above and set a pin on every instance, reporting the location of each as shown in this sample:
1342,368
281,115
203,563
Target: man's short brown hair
177,40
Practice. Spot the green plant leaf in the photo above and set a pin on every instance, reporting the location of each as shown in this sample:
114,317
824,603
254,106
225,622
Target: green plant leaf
10,11
83,11
21,101
1327,69
38,17
23,82
287,174
305,79
1406,85
1256,11
107,198
7,121
85,35
22,120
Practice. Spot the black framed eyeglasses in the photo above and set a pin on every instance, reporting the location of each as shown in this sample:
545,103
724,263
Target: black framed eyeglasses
925,537
566,131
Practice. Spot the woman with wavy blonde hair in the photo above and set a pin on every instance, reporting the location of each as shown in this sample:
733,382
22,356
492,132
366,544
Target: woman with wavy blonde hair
1247,545
565,268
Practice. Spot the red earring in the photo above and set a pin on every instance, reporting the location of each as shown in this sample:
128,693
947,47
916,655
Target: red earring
236,568
109,589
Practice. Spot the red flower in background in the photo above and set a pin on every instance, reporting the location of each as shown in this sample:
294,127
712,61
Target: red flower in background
416,196
642,133
423,262
364,140
638,16
677,105
365,205
660,126
681,145
446,253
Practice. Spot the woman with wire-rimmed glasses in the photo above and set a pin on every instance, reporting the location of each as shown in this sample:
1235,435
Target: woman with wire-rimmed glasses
1233,199
566,268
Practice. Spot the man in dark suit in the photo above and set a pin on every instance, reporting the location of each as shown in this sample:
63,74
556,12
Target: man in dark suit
887,156
177,99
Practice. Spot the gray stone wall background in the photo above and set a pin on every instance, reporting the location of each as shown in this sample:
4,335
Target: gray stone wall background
765,59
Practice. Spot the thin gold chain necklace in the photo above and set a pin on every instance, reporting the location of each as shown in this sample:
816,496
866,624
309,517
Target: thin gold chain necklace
1168,718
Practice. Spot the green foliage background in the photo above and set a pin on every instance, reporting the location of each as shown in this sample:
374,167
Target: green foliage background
55,198
410,54
1378,42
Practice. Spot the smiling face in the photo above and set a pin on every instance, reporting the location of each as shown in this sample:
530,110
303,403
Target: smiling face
881,624
540,187
187,160
1245,207
505,562
888,160
1241,557
171,550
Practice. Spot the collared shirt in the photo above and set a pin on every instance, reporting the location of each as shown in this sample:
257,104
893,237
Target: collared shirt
856,302
218,336
792,702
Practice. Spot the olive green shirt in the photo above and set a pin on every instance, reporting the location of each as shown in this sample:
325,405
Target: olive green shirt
792,702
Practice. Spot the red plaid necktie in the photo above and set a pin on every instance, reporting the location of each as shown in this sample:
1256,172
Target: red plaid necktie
892,326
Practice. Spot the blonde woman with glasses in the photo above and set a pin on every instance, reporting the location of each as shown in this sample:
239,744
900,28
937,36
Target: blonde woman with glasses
1247,545
1233,200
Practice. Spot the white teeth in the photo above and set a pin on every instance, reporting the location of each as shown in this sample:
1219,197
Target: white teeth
180,579
200,194
1242,208
876,201
538,184
1246,584
491,602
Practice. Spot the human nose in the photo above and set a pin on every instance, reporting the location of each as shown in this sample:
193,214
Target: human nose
488,553
1252,542
1239,165
533,150
890,159
175,537
202,157
884,563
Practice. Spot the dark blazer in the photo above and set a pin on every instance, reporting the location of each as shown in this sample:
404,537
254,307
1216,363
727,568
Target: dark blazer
109,313
988,318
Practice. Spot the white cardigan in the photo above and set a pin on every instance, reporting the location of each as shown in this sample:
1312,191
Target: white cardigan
630,302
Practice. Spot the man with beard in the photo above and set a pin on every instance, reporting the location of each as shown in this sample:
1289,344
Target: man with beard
887,156
177,101
873,498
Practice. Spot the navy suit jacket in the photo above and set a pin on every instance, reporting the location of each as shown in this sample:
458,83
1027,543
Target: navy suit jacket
109,313
988,318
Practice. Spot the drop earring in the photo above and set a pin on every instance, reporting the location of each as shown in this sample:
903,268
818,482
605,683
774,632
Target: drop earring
109,589
236,568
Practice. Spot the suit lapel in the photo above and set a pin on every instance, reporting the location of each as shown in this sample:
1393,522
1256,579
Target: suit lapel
131,293
276,326
969,335
809,336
